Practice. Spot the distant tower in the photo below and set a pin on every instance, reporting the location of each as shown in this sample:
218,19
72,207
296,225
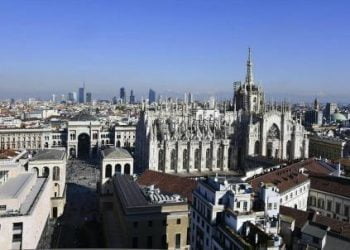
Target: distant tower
316,104
122,95
75,97
132,97
330,110
190,98
88,97
82,94
70,97
151,96
53,98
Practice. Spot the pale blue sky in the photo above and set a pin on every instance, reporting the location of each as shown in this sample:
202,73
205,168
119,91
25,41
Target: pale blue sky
300,48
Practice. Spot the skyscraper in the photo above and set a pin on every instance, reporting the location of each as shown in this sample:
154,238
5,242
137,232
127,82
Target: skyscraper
330,110
151,96
132,97
88,97
75,98
122,95
190,98
70,97
82,95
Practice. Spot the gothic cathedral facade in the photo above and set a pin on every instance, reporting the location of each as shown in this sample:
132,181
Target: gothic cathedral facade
190,137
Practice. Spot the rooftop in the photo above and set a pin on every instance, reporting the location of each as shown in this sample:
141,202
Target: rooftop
116,153
129,192
49,154
331,184
134,195
168,183
7,153
83,116
340,227
14,186
290,176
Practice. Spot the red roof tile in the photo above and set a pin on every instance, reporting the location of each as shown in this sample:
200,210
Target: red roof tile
331,184
289,176
340,227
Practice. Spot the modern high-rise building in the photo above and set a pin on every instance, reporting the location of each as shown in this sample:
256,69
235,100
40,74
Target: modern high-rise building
190,98
132,97
70,97
53,97
330,110
82,95
75,97
122,95
88,97
151,96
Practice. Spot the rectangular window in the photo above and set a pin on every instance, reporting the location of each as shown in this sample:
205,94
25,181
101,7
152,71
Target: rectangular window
150,223
337,207
269,206
17,238
346,211
178,221
238,204
17,226
329,205
135,224
178,240
245,206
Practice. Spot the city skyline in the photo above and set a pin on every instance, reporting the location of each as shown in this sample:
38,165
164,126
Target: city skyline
299,49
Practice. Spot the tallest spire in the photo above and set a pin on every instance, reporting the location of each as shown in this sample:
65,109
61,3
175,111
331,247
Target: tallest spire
250,77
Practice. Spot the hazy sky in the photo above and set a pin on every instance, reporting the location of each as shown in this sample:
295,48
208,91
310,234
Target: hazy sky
300,48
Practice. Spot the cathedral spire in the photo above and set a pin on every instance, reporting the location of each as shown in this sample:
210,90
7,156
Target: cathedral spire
250,77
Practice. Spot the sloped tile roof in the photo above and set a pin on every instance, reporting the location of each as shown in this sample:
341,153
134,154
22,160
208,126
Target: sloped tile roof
331,184
290,176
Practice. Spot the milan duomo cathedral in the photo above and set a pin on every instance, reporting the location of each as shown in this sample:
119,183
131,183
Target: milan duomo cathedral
188,137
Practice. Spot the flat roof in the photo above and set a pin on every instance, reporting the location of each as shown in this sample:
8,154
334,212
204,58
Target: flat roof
14,186
49,154
116,153
129,192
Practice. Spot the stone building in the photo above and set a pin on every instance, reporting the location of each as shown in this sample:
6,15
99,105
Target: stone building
136,216
330,196
114,161
51,164
125,136
29,196
175,138
25,138
331,148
